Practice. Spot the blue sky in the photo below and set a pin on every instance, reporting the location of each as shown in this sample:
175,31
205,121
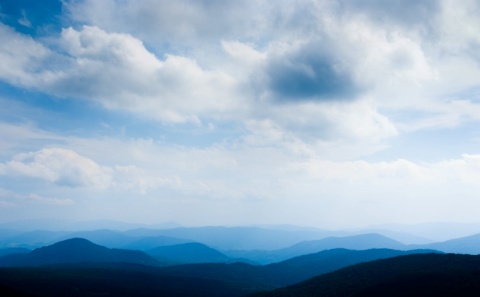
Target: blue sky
328,113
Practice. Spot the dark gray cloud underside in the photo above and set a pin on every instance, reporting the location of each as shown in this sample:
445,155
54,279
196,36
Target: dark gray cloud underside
310,75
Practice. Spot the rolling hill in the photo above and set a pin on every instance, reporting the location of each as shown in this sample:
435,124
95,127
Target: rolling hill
151,242
355,242
236,238
411,275
104,237
78,264
76,250
287,272
189,253
463,245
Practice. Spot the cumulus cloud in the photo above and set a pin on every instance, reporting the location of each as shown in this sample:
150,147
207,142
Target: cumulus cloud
179,24
310,73
60,166
24,61
67,168
117,71
342,66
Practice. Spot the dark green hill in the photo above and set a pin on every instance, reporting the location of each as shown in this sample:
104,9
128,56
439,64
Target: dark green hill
76,250
189,253
412,275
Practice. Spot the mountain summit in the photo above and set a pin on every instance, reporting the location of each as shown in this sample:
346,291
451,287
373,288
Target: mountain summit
76,250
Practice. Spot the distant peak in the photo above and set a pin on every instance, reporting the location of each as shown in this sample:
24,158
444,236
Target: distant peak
76,240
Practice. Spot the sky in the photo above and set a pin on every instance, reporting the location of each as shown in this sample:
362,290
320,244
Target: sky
328,113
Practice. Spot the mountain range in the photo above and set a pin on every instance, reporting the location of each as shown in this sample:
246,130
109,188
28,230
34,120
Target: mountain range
221,238
76,250
87,265
164,265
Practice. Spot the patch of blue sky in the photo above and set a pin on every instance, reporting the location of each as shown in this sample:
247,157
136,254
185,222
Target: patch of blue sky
50,113
32,17
85,119
432,145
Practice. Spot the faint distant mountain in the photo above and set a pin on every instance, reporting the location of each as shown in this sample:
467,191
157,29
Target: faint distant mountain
33,239
8,233
151,242
436,231
463,245
105,237
403,237
165,225
189,253
411,275
355,242
238,238
76,250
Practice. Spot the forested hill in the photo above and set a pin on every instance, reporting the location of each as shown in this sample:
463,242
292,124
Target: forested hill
412,275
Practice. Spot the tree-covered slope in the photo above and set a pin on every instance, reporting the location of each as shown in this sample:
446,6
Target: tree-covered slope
412,275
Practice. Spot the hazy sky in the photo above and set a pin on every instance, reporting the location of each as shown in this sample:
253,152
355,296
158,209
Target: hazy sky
332,113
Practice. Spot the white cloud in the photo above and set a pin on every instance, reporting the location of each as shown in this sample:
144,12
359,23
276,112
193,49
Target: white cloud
174,63
245,53
183,23
49,200
16,199
67,168
264,182
117,71
24,61
450,173
60,166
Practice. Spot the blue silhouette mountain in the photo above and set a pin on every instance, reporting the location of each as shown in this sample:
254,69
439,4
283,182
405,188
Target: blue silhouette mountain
76,250
287,272
411,275
151,242
192,252
10,251
355,242
463,245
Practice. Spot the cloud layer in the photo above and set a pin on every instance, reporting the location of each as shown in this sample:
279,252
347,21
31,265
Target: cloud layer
321,106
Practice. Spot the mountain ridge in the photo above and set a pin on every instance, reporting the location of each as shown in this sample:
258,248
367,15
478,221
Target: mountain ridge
76,250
